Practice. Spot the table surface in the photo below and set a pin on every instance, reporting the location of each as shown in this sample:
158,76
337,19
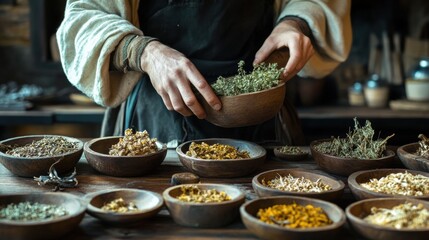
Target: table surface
161,226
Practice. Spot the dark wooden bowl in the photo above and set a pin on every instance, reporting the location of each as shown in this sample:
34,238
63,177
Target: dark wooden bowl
246,109
204,215
149,204
43,229
406,154
37,166
355,213
263,230
360,177
290,157
346,166
223,168
97,154
264,191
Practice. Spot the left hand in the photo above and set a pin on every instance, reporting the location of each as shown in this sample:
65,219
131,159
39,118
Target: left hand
287,34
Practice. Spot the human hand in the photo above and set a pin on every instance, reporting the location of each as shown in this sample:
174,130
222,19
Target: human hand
287,34
172,74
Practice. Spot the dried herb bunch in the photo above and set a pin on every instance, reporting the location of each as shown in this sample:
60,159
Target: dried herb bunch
294,216
358,144
45,147
215,151
192,193
134,144
423,150
401,216
119,206
28,211
263,76
299,184
405,184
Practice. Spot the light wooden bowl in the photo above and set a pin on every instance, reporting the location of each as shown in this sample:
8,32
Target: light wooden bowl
43,229
246,109
204,215
264,191
356,179
37,166
355,213
225,167
263,230
406,154
149,204
97,154
346,166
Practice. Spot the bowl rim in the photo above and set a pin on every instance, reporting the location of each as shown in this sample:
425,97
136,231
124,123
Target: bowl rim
401,150
282,155
253,145
80,146
91,208
332,226
357,220
281,84
351,180
87,148
168,198
260,185
390,153
67,196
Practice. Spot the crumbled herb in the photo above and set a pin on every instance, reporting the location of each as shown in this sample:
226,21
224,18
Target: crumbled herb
134,144
119,206
27,211
215,151
423,150
192,193
293,184
45,147
290,150
263,76
402,216
358,144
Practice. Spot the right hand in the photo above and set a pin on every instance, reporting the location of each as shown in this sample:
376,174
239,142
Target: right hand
172,74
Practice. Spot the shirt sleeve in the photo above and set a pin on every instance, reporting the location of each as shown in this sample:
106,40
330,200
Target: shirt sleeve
330,24
87,37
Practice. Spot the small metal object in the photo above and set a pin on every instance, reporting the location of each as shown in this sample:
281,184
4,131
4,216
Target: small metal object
58,182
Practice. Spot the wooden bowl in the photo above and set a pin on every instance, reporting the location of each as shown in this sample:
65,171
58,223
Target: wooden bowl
43,229
149,204
406,154
263,230
37,166
355,213
246,109
264,191
356,179
225,167
97,154
290,157
204,215
346,166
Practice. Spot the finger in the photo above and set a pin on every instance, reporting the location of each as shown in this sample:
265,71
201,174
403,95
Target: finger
204,88
166,99
177,102
267,48
294,59
191,101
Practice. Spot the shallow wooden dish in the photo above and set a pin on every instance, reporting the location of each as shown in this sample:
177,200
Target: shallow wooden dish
246,109
360,177
346,166
204,215
36,166
223,168
149,204
290,157
355,213
263,230
43,229
97,154
406,154
264,191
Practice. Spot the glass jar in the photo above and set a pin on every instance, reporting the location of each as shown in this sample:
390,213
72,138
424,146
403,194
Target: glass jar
417,84
376,91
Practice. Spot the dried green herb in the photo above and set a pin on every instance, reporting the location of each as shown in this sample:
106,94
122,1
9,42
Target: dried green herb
263,76
27,211
423,150
358,144
45,147
290,150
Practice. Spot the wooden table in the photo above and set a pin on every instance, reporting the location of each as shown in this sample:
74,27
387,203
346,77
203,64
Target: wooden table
162,226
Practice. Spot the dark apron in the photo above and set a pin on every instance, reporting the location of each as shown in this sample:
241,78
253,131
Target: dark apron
215,35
